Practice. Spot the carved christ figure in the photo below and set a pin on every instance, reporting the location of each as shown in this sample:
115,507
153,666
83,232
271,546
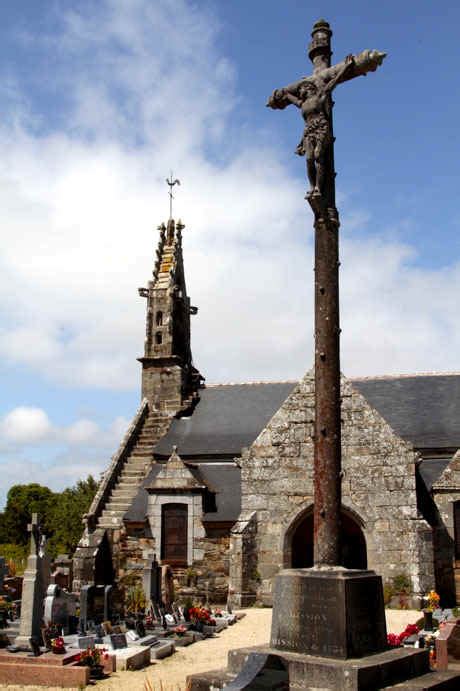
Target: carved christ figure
312,96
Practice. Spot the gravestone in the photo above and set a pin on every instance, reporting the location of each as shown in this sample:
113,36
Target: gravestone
151,580
118,641
35,583
60,608
167,586
84,642
448,644
62,573
3,574
95,605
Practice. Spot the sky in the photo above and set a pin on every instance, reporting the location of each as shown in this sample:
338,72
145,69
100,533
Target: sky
100,101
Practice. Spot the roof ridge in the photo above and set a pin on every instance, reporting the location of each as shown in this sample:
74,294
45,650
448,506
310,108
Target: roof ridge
404,376
251,383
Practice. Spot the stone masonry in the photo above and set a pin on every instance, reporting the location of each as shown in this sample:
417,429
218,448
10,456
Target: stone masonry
378,489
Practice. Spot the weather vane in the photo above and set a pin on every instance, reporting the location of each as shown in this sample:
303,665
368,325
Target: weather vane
171,183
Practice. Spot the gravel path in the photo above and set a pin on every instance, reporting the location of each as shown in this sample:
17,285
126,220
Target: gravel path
170,674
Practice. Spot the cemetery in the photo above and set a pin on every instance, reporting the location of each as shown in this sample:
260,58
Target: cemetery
51,636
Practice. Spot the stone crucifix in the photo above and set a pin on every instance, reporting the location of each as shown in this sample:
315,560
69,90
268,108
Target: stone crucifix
312,95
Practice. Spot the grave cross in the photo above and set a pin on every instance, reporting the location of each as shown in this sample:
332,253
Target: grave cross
35,534
312,95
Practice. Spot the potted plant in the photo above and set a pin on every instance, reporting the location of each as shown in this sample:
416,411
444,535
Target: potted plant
92,657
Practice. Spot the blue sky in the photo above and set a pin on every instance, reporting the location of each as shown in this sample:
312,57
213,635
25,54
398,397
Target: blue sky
98,101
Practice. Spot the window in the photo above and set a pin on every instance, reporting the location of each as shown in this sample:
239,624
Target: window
158,338
209,501
174,533
159,319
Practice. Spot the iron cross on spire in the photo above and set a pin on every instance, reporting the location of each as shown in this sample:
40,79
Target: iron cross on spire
312,95
171,183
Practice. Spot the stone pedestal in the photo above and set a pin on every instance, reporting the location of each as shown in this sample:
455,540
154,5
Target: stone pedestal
329,612
328,633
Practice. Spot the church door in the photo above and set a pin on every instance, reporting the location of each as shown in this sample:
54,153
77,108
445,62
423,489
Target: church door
174,534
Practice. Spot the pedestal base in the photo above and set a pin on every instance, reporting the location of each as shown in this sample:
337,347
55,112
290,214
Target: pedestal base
329,612
266,668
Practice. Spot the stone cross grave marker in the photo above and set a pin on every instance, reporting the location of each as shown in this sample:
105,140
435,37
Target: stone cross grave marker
35,583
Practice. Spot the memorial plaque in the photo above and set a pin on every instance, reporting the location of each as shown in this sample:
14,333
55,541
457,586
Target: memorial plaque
118,641
86,642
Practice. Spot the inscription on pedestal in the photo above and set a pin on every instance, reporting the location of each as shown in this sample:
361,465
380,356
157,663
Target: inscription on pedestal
330,614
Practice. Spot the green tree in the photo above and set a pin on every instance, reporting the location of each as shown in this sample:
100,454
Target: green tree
22,501
64,518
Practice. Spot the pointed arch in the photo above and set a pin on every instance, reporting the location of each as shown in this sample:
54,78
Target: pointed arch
298,540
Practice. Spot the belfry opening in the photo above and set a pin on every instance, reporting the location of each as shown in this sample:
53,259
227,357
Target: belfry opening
299,542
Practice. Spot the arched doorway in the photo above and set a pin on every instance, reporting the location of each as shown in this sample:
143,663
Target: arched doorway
353,543
104,573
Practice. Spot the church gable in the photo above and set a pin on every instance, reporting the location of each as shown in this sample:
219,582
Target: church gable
378,486
174,475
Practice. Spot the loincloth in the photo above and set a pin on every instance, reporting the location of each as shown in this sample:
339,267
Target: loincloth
317,131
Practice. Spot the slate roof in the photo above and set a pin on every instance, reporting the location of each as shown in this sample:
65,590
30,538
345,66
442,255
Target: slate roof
431,469
422,409
222,478
226,419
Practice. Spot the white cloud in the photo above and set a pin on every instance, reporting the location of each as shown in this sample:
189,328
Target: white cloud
144,88
33,449
25,425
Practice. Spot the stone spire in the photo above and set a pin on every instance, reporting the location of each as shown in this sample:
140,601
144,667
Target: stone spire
169,380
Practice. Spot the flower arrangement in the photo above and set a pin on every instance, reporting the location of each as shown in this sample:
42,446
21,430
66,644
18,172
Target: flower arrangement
200,614
92,657
395,640
433,600
57,645
180,630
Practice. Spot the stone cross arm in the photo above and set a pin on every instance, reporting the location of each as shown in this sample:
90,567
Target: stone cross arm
358,65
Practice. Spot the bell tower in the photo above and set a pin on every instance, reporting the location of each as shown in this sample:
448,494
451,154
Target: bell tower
170,382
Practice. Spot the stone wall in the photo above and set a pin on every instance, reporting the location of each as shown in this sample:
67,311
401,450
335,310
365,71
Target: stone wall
446,491
378,491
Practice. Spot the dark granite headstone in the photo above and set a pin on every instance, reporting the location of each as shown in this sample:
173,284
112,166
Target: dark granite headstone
428,620
84,642
333,612
118,641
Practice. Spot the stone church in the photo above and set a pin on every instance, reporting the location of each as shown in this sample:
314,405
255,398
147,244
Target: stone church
217,481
